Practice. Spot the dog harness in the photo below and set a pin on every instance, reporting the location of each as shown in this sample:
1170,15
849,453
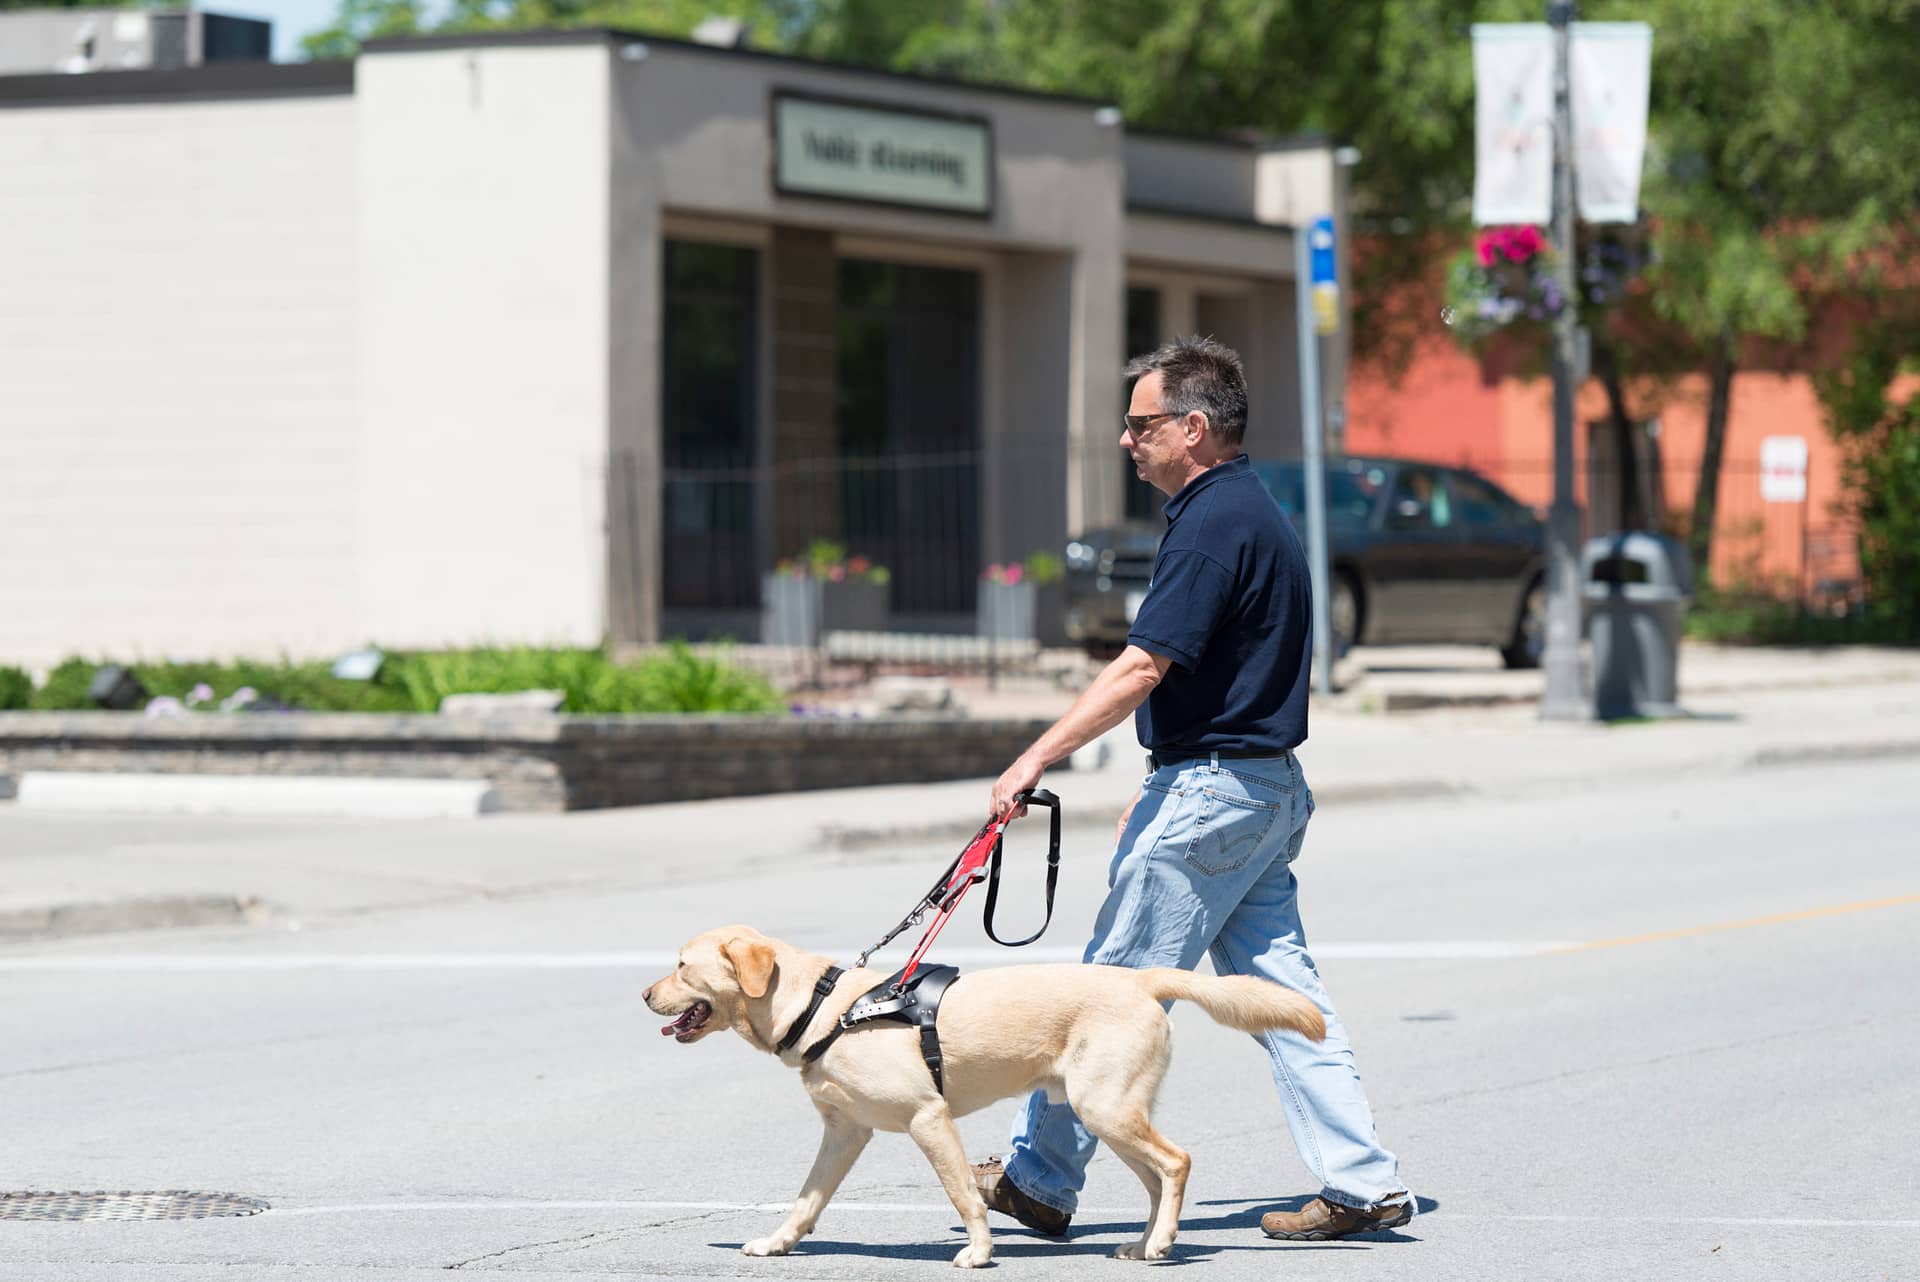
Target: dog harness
916,1003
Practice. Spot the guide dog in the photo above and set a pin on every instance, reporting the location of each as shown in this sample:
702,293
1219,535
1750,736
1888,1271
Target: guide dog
1094,1036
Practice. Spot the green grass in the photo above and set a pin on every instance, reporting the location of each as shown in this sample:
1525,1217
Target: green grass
674,679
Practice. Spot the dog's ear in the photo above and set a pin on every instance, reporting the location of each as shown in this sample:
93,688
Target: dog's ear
753,962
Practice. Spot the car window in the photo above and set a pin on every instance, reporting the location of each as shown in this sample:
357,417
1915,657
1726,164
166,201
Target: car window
1352,489
1420,501
1482,505
1478,506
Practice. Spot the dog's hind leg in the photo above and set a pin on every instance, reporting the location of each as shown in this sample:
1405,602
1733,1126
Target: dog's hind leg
840,1146
933,1130
1133,1138
1116,1102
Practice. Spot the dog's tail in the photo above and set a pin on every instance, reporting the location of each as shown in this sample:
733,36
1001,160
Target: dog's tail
1245,1002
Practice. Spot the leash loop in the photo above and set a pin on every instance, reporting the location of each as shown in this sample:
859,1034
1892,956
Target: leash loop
980,861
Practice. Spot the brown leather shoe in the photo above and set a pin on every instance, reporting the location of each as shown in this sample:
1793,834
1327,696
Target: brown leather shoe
1003,1195
1320,1220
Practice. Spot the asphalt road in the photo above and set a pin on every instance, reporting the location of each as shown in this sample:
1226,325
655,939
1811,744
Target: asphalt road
1672,1032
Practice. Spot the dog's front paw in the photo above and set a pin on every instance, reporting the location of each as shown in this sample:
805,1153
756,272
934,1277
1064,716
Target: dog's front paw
766,1246
973,1257
1143,1251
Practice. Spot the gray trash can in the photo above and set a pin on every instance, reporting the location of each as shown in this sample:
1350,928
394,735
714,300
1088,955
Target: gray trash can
1636,587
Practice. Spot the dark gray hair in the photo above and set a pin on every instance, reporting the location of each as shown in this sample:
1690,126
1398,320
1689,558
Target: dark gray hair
1199,374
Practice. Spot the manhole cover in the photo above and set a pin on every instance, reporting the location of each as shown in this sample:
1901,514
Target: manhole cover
172,1205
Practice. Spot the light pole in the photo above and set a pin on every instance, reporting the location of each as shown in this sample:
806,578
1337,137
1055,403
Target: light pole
1564,699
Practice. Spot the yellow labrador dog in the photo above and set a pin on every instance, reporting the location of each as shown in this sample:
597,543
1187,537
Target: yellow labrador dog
1096,1036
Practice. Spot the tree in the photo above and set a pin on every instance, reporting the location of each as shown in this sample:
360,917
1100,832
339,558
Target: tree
362,20
1761,176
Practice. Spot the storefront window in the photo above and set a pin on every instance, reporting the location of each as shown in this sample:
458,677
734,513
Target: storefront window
708,417
908,408
1143,335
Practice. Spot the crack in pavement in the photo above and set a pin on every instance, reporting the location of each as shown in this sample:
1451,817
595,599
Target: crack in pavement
582,1241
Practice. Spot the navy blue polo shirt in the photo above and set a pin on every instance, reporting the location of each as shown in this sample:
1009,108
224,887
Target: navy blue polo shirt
1230,603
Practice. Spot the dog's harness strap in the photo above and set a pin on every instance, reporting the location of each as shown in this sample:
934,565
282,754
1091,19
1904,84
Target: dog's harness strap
820,991
915,1003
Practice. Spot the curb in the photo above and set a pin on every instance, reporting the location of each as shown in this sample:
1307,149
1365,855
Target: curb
273,796
99,917
1815,754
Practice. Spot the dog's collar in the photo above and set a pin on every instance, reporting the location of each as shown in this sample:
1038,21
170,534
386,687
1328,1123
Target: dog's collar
820,991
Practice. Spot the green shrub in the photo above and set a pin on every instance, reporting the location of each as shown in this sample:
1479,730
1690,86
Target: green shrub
1756,618
16,689
678,680
673,680
66,686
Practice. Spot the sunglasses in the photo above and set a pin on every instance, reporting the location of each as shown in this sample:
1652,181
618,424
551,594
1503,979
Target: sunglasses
1137,424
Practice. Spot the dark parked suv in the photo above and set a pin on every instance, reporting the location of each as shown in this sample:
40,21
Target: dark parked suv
1419,553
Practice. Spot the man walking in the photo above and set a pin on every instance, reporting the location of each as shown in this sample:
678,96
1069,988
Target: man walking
1216,672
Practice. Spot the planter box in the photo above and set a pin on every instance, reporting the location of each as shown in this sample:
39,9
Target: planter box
1006,611
795,610
855,607
789,610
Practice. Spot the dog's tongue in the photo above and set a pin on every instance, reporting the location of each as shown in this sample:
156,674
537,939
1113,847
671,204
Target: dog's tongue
681,1024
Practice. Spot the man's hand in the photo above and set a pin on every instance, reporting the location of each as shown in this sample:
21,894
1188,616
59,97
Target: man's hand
1022,776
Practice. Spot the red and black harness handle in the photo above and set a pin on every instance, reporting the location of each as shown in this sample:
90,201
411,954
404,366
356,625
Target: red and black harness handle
980,861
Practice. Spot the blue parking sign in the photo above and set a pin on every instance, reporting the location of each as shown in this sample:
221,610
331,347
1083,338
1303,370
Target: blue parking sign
1320,242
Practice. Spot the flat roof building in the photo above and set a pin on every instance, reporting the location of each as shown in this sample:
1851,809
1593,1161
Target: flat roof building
563,336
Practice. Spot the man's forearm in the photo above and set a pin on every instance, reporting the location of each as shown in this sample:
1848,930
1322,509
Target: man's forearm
1122,686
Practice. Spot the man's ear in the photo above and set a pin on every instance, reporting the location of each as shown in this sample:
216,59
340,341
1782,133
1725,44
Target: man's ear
1194,425
752,961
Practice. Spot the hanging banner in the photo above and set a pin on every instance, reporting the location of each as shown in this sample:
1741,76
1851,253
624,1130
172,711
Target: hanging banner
1512,123
1610,73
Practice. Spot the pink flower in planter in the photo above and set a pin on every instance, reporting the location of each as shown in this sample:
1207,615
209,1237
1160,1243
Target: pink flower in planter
1014,573
838,574
859,565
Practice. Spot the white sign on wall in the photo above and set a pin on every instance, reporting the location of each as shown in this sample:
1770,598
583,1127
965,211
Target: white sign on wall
864,151
1783,469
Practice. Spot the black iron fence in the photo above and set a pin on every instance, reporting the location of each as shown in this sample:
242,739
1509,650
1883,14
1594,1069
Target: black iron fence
925,519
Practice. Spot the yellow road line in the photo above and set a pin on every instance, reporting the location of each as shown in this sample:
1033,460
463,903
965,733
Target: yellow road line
1865,905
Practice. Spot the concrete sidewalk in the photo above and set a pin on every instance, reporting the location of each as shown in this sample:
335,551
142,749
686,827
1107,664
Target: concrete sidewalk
54,881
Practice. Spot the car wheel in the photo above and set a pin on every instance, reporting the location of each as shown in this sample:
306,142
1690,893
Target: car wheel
1529,630
1343,615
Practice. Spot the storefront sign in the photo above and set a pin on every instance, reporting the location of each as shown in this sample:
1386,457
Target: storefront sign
858,151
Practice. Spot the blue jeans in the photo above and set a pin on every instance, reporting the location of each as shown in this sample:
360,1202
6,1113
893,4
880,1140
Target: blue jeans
1206,866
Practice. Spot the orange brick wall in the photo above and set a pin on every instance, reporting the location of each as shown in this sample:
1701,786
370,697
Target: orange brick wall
1445,411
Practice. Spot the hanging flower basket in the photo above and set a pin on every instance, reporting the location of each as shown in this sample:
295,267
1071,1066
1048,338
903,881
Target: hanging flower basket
1506,279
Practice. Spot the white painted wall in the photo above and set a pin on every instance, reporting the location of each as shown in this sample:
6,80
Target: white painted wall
177,378
483,225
